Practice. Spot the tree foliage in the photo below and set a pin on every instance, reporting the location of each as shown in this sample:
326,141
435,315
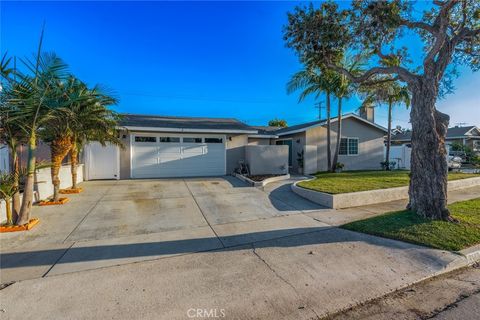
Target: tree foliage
282,123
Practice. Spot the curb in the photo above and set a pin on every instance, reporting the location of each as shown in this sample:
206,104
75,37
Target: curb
472,254
264,182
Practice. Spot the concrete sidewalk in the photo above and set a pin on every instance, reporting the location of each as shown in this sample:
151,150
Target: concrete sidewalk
295,277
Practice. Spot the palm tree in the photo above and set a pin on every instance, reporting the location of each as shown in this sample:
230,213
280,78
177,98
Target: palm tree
12,136
391,93
32,97
8,188
345,88
315,81
91,120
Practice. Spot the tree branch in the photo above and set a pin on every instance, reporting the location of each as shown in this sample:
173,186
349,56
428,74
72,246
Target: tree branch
418,25
440,25
403,74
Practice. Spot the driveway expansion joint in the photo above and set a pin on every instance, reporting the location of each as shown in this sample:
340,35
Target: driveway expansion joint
88,212
203,214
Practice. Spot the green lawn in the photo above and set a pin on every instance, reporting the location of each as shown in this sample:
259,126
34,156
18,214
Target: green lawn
409,227
354,181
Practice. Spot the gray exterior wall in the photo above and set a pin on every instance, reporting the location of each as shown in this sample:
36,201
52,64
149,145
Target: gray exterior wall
267,159
370,145
259,141
235,150
125,155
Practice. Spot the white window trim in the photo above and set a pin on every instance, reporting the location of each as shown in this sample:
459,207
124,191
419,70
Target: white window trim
348,151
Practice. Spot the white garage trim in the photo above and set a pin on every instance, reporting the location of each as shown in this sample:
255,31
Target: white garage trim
153,158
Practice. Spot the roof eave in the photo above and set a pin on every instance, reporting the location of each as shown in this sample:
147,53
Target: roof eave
183,130
263,136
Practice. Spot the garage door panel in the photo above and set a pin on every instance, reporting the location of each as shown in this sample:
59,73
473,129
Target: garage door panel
172,159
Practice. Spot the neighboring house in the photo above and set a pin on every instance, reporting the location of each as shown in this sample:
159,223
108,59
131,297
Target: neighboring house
158,146
468,136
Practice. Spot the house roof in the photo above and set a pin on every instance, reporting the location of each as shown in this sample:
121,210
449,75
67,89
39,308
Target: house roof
452,133
265,132
309,125
184,124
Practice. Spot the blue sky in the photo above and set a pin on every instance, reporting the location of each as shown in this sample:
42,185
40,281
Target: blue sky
218,59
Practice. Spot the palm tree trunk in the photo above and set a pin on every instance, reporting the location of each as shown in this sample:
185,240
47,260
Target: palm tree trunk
389,134
8,207
16,170
74,163
59,149
329,151
339,134
25,209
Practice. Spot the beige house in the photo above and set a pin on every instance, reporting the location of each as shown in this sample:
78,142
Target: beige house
170,147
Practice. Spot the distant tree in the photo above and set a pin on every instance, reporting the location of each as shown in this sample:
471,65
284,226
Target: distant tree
450,32
278,123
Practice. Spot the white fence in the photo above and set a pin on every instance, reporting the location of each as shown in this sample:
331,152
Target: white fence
401,155
43,184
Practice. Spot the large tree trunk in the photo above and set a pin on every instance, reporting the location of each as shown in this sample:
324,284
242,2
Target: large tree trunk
59,149
329,143
429,170
339,134
389,135
74,163
25,209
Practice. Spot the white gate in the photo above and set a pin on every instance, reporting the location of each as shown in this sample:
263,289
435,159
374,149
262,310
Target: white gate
401,155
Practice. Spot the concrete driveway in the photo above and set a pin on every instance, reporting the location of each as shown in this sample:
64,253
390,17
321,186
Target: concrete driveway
155,249
118,222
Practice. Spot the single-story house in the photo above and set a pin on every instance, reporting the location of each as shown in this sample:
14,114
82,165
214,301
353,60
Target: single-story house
468,136
160,146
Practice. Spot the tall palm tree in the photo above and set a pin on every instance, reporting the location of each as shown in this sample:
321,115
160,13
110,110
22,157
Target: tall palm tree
344,89
389,93
32,97
316,81
91,120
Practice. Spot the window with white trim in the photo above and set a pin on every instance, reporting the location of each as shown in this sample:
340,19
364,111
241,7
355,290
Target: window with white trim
213,140
476,145
192,140
348,146
145,139
169,139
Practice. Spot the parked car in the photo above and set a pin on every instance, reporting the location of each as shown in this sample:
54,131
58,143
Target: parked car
454,162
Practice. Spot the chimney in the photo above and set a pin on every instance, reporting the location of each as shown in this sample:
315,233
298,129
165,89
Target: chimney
367,112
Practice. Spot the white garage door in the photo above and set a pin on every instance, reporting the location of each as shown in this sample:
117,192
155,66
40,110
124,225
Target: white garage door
174,155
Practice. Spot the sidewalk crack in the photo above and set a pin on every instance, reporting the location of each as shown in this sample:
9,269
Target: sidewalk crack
254,251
